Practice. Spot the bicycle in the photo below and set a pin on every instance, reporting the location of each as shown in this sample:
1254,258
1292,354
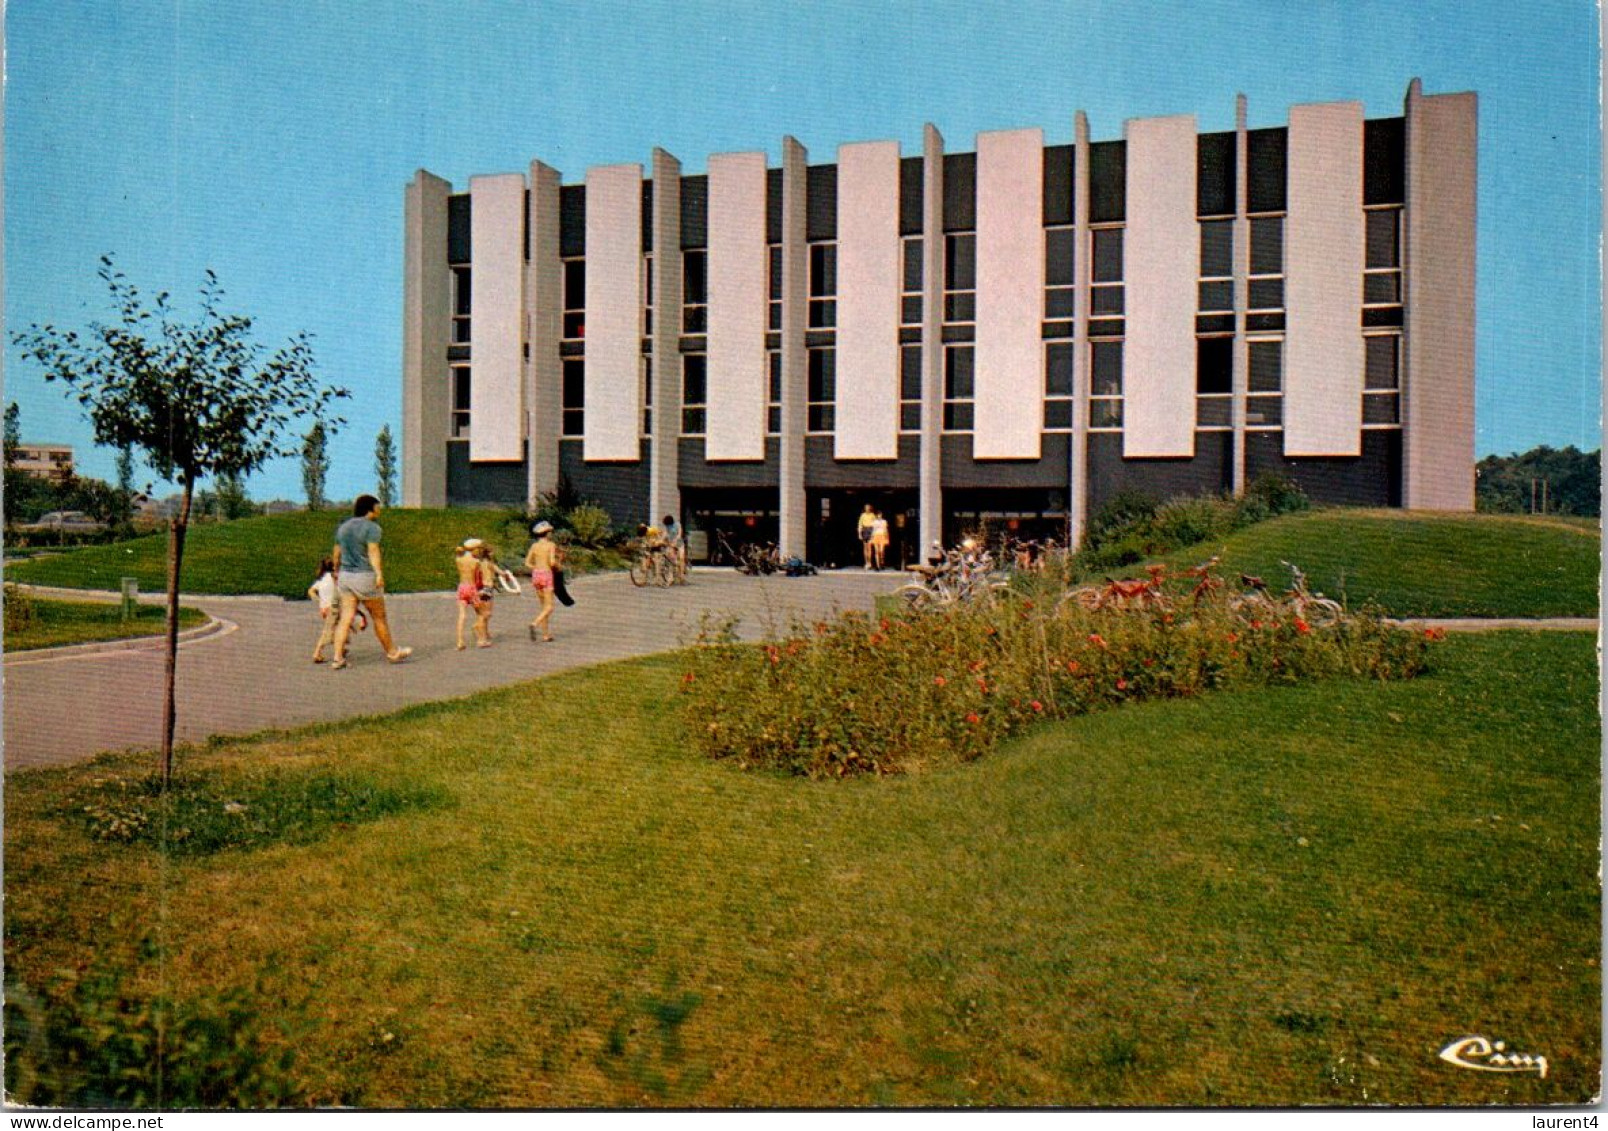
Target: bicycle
750,559
653,565
962,575
1123,593
1313,608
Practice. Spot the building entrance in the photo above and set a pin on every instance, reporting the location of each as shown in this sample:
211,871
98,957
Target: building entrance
833,536
721,520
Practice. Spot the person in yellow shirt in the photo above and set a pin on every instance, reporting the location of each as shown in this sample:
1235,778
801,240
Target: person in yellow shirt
868,519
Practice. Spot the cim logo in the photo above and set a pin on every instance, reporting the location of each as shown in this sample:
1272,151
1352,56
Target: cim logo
1486,1056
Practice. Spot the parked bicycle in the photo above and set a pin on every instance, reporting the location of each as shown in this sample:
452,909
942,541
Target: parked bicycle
1123,593
965,573
1313,608
754,559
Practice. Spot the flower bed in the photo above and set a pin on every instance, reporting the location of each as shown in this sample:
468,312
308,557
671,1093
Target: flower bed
856,695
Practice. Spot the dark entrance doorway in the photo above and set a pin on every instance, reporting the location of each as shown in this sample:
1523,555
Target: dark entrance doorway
833,536
721,517
997,513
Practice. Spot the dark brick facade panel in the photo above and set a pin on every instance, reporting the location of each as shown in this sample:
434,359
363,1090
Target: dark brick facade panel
821,471
1051,469
1209,472
482,484
697,473
1372,479
619,488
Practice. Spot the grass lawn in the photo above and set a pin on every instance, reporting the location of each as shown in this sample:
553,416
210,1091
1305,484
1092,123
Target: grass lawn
279,554
1292,896
1426,565
80,622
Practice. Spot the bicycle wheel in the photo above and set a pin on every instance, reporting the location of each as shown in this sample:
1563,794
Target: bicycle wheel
639,572
664,573
1251,606
915,597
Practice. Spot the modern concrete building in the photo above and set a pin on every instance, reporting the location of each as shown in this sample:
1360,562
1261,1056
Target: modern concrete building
1009,334
45,461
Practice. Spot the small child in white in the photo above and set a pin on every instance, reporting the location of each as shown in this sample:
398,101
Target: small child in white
323,591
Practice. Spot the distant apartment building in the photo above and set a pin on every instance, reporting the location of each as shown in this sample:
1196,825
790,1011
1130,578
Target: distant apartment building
45,461
1007,335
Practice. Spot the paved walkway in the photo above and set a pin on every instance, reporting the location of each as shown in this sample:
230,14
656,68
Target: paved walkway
251,670
63,706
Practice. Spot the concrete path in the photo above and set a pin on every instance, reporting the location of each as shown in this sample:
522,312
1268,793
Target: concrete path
63,706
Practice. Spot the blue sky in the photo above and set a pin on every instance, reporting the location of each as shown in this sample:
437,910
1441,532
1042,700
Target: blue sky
186,134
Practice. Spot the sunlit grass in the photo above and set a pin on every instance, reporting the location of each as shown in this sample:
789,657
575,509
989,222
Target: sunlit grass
54,623
1281,896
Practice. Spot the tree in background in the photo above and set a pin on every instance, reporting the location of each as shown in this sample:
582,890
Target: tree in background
385,466
1543,479
198,399
230,498
315,465
13,432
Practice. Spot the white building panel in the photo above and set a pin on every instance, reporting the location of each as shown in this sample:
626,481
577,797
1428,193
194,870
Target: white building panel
613,313
496,317
739,293
1161,251
868,277
1010,295
1323,264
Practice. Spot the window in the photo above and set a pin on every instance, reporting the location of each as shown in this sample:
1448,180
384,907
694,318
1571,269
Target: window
695,293
960,277
1266,284
460,304
774,255
1216,266
647,294
574,299
460,402
910,289
1214,382
1381,382
1105,293
1105,385
1060,274
647,395
694,393
574,423
773,402
1381,279
1057,386
823,286
822,389
960,388
910,388
1264,402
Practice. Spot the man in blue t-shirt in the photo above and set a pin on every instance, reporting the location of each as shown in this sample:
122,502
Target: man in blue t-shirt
360,576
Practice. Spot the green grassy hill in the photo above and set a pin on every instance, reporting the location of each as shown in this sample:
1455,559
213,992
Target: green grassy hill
280,554
1420,564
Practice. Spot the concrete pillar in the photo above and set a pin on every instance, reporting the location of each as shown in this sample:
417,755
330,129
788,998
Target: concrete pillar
544,313
792,501
1438,338
426,314
664,479
932,347
1077,500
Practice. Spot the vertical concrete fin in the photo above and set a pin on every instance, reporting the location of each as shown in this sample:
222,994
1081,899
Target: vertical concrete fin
613,313
664,485
544,303
1010,295
426,303
795,359
868,278
932,350
1077,518
739,297
497,317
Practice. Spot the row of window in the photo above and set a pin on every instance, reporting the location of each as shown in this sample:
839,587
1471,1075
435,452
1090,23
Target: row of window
1214,387
1381,283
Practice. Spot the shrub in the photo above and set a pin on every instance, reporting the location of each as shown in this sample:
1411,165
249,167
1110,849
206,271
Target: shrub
21,614
93,1038
852,695
1275,494
1122,512
591,526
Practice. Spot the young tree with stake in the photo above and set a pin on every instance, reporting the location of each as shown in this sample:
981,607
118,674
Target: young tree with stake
198,399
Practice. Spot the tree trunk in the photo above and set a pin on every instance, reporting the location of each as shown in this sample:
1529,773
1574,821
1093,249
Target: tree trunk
169,703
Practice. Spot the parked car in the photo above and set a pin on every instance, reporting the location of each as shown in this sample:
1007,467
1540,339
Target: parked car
67,522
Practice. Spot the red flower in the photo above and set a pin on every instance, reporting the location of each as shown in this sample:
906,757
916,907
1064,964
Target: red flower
982,685
688,678
976,665
1097,640
1232,637
1036,705
1233,655
1072,665
1168,619
1149,663
1122,685
1027,604
775,656
991,631
939,680
1434,634
883,624
820,628
875,638
971,717
1256,624
1302,626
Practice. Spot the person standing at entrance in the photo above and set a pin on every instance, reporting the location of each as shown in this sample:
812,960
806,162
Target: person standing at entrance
360,577
879,539
863,529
